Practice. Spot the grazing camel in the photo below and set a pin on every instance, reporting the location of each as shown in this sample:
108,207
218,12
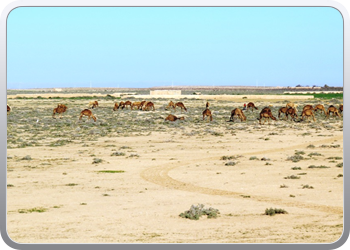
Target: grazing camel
173,118
8,109
171,105
181,105
207,112
333,110
308,107
239,113
308,113
266,109
266,114
116,106
124,104
136,104
282,110
61,108
292,112
142,104
93,104
149,106
341,108
292,105
88,113
251,105
320,107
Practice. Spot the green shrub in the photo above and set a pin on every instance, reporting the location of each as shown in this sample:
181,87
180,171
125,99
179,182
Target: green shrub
273,211
197,211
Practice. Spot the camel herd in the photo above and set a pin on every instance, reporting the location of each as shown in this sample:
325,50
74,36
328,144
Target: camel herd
290,110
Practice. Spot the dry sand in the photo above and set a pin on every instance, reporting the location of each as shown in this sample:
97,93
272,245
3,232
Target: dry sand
171,171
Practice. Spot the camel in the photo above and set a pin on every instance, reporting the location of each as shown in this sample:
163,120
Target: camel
148,106
320,107
136,104
124,104
308,113
292,105
171,105
181,105
341,108
292,113
334,110
251,105
142,104
61,108
207,112
88,113
207,105
266,109
8,109
239,113
266,114
308,107
173,118
93,104
116,106
282,110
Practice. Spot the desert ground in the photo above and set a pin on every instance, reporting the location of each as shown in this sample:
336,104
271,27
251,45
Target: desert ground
128,176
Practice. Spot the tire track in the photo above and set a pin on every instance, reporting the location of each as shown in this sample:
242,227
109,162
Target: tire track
160,175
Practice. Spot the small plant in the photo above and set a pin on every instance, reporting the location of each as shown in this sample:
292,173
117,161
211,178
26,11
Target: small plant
311,146
283,186
295,158
230,163
307,186
339,165
253,158
314,154
10,185
134,155
27,157
292,177
83,203
313,166
111,171
335,158
71,184
96,161
273,211
340,175
302,173
296,168
33,210
299,153
291,195
197,211
245,196
118,154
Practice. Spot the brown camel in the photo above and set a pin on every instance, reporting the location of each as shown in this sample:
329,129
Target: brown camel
61,108
8,109
292,105
171,105
333,110
142,104
173,118
93,104
266,114
207,112
341,108
282,110
207,105
308,113
308,107
116,106
149,106
320,107
88,113
239,113
251,105
292,112
124,104
136,104
181,105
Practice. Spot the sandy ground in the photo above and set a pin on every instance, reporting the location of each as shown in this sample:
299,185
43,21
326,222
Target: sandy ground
165,172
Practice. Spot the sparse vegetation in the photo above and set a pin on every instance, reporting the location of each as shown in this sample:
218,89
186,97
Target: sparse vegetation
195,212
273,211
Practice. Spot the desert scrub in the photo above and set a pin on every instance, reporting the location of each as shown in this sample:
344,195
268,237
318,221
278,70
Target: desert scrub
296,168
314,154
27,157
335,158
32,210
292,177
197,211
118,154
230,163
253,158
295,158
96,161
321,166
339,165
232,157
307,186
283,186
111,171
273,211
299,153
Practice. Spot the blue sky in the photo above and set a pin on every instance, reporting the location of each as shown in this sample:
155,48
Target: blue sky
161,46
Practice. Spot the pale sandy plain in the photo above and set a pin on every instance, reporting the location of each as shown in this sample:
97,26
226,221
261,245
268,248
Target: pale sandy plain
167,168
